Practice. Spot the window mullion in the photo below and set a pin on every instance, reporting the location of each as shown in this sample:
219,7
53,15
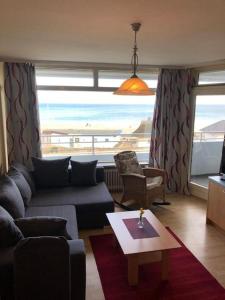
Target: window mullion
95,73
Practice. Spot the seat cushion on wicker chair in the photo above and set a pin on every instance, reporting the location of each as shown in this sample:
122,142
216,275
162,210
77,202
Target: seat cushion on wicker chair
153,182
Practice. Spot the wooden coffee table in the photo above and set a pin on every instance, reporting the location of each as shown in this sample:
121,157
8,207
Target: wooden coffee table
142,250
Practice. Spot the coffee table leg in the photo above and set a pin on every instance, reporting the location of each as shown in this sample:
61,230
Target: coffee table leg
165,265
133,269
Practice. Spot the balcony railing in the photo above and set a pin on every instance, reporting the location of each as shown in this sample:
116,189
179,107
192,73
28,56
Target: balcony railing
93,144
206,146
206,136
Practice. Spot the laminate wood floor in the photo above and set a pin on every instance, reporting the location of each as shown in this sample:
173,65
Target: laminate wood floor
186,217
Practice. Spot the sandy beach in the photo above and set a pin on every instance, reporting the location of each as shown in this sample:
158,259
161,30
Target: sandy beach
123,126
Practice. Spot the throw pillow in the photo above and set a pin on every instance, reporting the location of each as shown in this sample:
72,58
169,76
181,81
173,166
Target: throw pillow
22,184
83,173
27,175
10,197
43,226
129,166
10,234
51,173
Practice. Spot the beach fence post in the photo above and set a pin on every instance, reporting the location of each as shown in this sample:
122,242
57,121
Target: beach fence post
93,144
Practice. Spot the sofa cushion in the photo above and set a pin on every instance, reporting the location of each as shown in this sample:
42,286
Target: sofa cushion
67,212
28,176
83,173
22,184
98,197
100,174
10,197
127,163
43,226
10,234
51,173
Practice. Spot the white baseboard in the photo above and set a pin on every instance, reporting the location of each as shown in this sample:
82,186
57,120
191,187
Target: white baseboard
199,191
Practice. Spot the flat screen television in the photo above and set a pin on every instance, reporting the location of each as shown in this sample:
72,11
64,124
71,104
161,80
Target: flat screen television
222,165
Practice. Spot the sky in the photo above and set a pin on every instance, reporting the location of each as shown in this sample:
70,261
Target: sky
72,97
211,100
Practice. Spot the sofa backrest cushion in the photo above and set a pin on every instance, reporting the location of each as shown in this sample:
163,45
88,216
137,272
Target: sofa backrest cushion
10,197
100,174
22,184
10,234
83,173
43,226
51,173
27,175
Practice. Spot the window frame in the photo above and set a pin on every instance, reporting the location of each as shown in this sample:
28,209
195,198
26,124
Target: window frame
95,71
203,90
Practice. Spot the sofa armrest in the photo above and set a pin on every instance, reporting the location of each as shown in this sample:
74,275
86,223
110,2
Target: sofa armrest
6,272
42,268
100,174
78,269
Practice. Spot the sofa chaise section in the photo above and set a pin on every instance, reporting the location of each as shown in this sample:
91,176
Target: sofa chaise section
91,203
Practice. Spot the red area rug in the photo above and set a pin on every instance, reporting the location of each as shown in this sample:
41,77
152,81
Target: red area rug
188,278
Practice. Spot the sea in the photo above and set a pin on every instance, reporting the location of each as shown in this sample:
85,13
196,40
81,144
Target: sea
119,114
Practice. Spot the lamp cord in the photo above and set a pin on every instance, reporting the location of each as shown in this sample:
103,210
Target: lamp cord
134,59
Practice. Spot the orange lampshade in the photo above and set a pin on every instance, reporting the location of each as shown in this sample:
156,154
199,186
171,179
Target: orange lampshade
134,86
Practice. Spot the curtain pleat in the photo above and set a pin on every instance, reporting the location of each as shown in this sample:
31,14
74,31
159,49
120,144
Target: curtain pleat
23,135
171,135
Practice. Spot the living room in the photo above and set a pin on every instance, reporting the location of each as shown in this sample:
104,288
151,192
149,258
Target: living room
108,111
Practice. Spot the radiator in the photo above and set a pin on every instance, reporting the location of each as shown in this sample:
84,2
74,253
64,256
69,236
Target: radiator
113,180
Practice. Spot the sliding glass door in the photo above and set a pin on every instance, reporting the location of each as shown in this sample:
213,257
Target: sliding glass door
209,130
209,126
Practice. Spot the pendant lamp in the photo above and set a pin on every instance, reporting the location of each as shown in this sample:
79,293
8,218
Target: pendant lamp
134,85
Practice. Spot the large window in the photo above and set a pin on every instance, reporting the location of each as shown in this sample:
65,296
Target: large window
209,126
81,117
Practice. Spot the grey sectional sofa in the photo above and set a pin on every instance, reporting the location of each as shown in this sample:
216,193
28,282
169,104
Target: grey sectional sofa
91,203
82,207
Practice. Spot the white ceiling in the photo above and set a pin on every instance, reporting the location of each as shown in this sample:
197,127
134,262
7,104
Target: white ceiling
173,32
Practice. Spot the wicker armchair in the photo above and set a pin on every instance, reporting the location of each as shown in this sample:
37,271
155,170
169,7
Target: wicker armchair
140,184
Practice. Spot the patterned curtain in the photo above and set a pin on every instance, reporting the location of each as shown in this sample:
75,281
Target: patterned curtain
22,121
171,136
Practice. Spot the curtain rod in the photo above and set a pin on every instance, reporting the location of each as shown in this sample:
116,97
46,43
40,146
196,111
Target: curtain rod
85,64
213,65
